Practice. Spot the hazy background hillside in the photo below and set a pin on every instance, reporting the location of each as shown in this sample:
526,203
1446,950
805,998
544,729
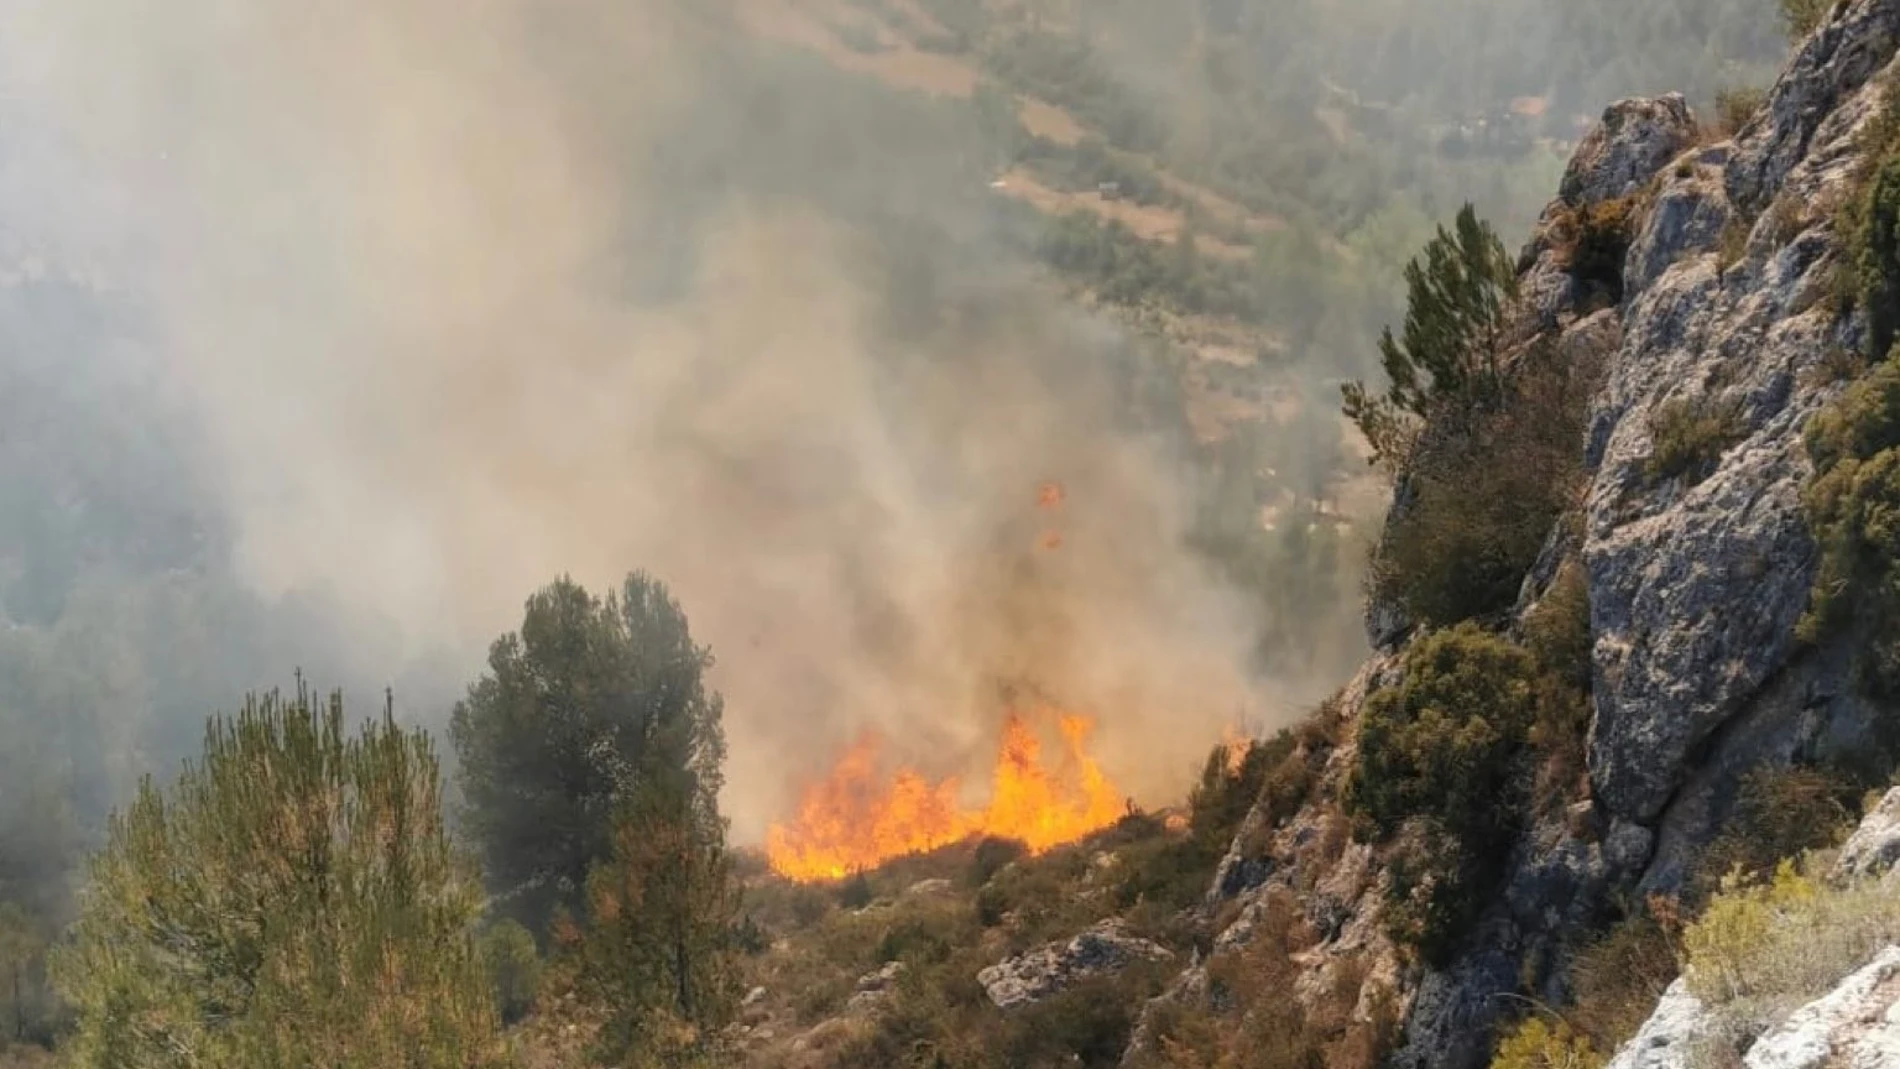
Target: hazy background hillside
324,341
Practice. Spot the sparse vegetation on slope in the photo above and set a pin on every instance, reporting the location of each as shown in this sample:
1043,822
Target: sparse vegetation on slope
1855,446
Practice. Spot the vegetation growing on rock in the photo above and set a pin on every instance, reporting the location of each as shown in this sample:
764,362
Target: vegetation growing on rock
1855,447
1436,775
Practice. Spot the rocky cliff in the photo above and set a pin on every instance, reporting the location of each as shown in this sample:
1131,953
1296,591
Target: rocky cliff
1696,574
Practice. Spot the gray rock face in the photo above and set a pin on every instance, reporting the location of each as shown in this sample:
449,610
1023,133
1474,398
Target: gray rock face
1667,1040
1671,558
1832,65
1875,845
1690,211
1039,973
1632,141
1855,1026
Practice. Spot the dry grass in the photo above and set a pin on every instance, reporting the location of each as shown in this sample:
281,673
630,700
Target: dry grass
1761,950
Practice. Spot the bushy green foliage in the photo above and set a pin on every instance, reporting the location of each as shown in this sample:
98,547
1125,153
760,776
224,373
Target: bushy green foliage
662,907
1855,447
1442,740
1868,273
514,968
291,900
1436,775
551,736
1535,1043
1688,437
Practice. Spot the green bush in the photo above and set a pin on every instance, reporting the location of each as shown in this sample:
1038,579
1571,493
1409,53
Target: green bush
1436,775
514,968
1855,446
1868,274
1557,630
1688,437
1443,741
291,900
990,856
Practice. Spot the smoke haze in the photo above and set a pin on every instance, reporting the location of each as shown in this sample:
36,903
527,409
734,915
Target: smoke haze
457,296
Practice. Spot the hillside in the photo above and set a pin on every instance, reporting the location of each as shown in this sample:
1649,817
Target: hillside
1684,691
961,361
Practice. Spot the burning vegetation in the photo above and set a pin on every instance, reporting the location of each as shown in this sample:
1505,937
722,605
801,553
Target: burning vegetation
855,819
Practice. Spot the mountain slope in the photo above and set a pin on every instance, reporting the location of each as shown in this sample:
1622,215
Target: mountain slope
1727,331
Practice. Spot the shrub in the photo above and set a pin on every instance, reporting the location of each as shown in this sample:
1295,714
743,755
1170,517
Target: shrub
1616,981
292,900
1481,497
1249,1021
1762,949
855,892
1557,633
1868,273
1688,437
1442,742
1855,446
1536,1044
1436,775
1801,17
1735,106
926,933
1557,630
1779,813
990,856
1879,254
514,968
1599,237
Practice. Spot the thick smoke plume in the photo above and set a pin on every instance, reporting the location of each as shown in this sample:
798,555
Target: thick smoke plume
463,294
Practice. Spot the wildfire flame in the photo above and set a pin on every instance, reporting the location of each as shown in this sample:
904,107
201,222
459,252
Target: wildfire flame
852,820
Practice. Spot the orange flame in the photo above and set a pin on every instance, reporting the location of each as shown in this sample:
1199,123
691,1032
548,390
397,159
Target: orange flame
1236,746
850,821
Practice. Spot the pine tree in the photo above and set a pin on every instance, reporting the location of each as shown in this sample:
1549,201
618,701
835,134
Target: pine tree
1447,360
292,900
573,708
